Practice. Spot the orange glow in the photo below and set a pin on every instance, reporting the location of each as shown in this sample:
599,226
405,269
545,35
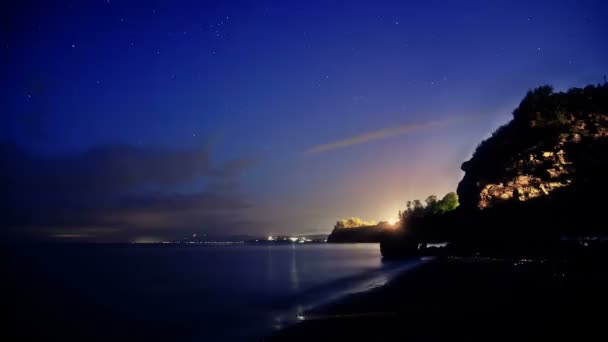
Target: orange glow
393,220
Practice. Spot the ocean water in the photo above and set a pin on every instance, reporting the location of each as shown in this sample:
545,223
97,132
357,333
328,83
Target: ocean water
219,293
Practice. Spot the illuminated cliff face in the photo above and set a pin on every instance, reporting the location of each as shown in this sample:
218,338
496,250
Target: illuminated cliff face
527,185
545,168
539,153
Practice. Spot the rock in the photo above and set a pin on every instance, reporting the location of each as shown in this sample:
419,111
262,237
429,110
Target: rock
554,185
523,180
553,173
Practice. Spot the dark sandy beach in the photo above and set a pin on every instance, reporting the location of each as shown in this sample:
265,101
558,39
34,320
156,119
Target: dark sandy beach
471,299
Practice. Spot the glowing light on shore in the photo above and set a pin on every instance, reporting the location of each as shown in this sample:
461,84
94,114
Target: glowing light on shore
393,221
147,239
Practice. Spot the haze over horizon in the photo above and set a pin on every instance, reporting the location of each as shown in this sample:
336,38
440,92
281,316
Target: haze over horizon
129,122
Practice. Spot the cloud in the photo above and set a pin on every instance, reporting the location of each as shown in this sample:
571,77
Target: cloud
100,170
235,167
377,135
119,192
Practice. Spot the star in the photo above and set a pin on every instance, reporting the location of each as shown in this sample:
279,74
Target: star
73,45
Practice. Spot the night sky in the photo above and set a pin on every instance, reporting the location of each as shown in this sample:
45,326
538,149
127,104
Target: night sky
141,121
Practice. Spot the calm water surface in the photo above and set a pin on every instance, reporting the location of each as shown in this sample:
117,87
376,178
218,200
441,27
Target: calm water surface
203,293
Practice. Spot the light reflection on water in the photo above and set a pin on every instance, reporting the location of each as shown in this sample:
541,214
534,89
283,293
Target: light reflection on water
338,290
295,282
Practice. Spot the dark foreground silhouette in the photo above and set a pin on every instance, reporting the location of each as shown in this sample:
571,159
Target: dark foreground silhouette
471,299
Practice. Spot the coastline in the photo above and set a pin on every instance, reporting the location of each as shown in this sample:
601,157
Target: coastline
315,300
472,299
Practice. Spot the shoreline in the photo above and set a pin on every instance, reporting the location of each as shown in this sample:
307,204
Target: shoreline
472,299
316,299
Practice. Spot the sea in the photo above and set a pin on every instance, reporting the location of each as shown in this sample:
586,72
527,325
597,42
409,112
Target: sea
187,293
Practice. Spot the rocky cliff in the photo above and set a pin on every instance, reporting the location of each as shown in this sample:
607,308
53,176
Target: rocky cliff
555,141
541,177
372,233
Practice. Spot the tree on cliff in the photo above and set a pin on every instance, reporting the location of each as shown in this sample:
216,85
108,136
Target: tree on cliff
448,203
433,206
431,203
353,222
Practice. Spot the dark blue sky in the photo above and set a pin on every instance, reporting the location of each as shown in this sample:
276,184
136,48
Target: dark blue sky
263,117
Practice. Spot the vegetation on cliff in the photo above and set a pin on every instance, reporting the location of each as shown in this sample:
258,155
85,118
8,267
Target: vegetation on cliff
353,222
433,206
355,229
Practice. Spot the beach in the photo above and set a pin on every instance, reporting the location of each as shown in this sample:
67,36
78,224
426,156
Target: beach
469,299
